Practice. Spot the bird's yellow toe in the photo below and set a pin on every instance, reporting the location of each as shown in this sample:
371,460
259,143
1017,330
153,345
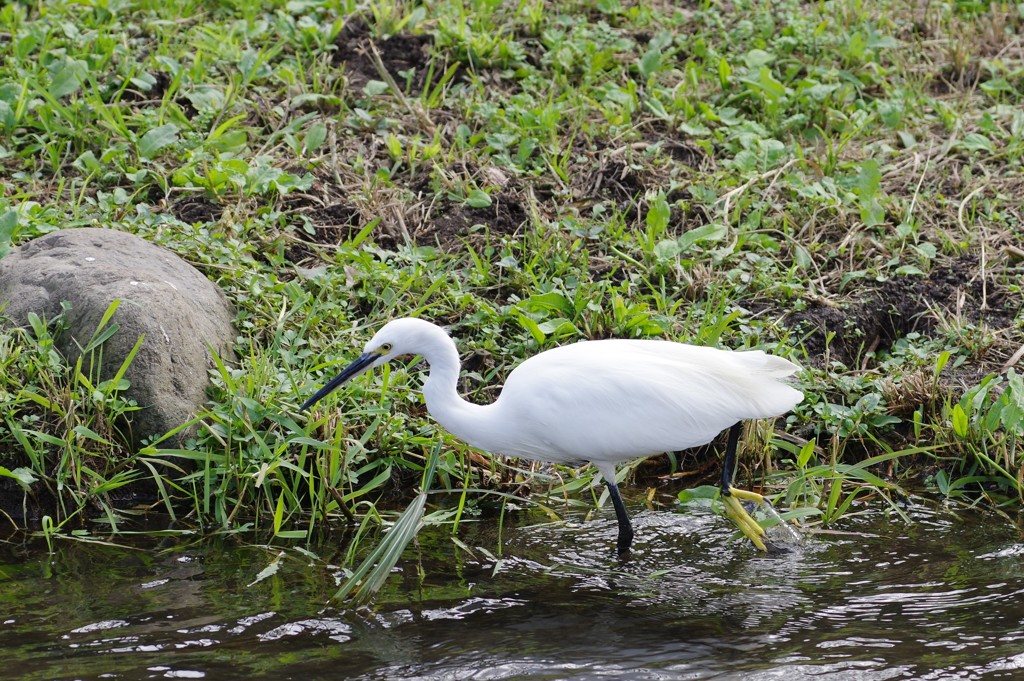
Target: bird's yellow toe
743,520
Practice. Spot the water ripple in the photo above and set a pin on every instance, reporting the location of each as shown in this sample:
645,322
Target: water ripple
940,599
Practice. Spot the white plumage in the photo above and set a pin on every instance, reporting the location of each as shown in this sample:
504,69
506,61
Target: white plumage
602,401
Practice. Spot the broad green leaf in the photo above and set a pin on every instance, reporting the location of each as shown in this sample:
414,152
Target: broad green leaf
755,59
315,136
478,198
24,476
552,300
773,89
805,453
959,421
724,72
801,256
279,513
268,571
977,142
713,231
8,227
872,213
658,214
68,78
157,139
90,434
206,97
996,85
7,116
1012,415
666,249
701,493
820,92
532,327
557,327
650,63
869,178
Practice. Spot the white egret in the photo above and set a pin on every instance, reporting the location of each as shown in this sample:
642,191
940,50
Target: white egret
603,401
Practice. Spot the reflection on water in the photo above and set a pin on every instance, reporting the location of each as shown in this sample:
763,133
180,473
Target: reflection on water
940,599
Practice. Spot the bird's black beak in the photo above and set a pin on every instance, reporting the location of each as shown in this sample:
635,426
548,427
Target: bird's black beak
358,366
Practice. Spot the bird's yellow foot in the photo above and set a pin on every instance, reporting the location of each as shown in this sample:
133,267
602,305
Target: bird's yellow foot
735,511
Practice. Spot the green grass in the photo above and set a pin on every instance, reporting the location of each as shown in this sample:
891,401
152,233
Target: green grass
838,183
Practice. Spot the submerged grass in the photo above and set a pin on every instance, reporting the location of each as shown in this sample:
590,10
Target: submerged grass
836,182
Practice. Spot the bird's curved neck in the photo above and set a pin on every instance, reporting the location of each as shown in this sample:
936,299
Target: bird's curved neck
459,417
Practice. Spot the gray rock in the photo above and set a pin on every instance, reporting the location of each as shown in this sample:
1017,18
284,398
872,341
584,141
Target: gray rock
163,298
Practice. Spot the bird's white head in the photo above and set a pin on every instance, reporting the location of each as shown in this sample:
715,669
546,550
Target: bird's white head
406,336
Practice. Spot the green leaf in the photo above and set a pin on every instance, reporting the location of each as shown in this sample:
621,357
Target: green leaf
872,213
206,97
713,231
557,327
869,179
772,88
24,476
268,571
801,256
315,136
90,434
724,72
650,63
533,328
996,85
819,92
755,59
658,214
926,249
292,534
252,65
478,198
702,493
375,87
805,453
156,139
800,513
279,513
8,228
866,187
666,249
371,574
552,300
977,142
959,421
68,78
1012,415
7,115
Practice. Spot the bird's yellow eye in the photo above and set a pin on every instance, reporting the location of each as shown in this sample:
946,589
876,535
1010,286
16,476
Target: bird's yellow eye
384,349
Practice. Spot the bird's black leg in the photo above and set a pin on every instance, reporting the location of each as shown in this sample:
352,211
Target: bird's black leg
729,466
625,539
732,497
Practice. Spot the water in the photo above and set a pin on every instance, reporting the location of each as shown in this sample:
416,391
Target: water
942,598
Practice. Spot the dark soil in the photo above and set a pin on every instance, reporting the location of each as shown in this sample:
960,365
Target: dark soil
454,224
879,315
398,53
196,208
